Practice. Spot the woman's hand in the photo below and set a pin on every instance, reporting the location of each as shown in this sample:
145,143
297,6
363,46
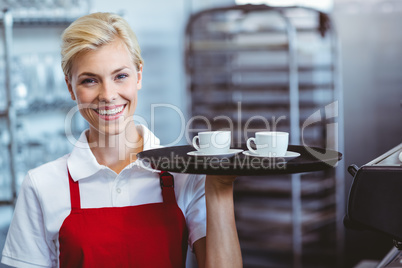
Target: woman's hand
220,180
219,188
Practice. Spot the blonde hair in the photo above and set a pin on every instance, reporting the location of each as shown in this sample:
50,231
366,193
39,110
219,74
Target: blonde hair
93,31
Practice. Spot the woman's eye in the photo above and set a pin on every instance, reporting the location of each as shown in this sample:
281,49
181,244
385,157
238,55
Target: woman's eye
88,81
121,76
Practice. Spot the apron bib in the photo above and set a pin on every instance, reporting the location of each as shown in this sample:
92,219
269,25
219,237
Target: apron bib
149,235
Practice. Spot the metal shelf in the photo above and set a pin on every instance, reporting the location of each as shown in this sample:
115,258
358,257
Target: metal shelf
258,30
238,61
58,105
12,114
229,47
48,13
35,22
265,69
6,202
280,186
230,87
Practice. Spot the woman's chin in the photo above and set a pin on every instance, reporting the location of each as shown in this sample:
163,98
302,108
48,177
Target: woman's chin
109,129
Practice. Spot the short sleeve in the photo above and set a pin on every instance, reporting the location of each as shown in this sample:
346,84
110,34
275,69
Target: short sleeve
196,210
26,244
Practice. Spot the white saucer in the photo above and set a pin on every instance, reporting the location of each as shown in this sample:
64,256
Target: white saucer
231,152
288,156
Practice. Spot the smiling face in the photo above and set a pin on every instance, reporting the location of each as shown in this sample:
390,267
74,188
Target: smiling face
104,83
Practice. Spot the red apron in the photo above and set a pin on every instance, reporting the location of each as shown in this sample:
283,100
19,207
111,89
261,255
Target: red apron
150,235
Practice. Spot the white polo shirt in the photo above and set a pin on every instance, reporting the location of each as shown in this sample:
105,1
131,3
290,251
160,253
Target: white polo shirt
44,200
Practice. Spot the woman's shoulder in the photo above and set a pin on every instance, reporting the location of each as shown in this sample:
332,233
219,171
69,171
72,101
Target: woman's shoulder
50,171
47,184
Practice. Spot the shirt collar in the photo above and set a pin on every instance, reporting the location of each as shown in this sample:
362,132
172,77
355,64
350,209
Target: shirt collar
82,163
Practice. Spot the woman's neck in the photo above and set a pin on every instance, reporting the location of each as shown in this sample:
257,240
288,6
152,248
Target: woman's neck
116,151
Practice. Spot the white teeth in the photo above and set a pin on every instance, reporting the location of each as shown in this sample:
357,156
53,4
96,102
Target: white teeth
111,112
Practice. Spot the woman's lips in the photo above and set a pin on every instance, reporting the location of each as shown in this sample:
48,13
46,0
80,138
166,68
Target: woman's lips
110,112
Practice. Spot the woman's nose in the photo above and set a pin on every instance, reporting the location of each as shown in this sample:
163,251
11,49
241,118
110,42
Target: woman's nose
107,92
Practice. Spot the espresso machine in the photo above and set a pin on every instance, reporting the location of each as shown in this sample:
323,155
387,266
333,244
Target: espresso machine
375,201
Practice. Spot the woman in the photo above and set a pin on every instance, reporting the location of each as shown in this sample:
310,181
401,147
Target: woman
99,206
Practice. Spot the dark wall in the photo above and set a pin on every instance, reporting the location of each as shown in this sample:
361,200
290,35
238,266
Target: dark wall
372,78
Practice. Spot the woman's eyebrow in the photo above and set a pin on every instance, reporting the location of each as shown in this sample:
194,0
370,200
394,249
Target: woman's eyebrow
86,74
113,72
120,69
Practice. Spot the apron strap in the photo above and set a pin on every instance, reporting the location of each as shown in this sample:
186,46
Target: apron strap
167,185
74,193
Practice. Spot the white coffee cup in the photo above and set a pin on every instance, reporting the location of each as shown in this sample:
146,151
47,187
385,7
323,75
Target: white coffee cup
212,142
269,143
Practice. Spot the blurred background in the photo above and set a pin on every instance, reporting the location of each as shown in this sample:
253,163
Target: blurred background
334,59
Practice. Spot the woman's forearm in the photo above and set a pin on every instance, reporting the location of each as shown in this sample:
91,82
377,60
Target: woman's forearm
222,243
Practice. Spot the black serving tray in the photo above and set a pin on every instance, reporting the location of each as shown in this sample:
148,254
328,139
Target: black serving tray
175,159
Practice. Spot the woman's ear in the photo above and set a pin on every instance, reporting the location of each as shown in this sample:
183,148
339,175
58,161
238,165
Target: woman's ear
70,88
139,77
